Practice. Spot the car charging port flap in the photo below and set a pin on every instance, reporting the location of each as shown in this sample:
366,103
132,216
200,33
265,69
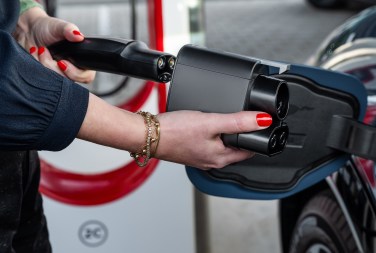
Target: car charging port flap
353,137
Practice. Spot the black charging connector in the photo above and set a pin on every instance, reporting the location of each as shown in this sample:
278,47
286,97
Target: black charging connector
270,141
214,81
119,56
270,95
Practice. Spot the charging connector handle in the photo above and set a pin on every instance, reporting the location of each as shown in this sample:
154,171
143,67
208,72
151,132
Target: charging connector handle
119,56
353,137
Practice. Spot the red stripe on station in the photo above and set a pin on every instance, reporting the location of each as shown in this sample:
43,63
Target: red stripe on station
88,190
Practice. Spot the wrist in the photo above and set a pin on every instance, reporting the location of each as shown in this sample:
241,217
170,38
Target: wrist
152,136
28,4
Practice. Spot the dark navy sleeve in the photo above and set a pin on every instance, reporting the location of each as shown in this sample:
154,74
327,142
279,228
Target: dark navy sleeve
9,10
39,109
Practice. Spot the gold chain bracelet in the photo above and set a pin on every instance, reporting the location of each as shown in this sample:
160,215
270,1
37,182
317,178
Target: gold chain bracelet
153,132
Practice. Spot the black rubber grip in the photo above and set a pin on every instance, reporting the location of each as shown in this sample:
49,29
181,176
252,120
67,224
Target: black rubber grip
118,56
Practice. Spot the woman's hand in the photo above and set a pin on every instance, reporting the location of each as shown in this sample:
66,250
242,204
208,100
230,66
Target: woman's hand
36,30
187,137
194,138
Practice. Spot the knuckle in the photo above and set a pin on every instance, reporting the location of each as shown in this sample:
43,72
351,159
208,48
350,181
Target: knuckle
73,75
69,74
49,65
219,163
85,81
240,124
90,78
85,77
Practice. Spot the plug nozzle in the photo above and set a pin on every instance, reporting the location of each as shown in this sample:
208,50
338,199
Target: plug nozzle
270,95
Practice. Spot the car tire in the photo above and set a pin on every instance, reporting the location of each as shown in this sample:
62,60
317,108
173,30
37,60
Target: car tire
322,228
327,4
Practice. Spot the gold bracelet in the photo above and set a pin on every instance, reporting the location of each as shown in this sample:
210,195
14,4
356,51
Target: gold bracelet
143,156
157,135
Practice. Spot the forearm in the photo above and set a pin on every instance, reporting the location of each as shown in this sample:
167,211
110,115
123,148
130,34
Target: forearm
186,137
110,126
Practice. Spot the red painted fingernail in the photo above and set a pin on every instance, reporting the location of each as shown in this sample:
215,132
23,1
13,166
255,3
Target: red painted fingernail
41,50
62,65
75,32
32,50
264,119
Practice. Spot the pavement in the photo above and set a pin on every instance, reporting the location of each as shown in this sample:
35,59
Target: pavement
285,30
288,30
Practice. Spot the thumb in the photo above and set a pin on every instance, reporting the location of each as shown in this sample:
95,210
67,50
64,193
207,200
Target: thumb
241,122
72,33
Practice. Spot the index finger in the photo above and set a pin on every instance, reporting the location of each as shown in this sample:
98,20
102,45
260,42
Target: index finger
241,122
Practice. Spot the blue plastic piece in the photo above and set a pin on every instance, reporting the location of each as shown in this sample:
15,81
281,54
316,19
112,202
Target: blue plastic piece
330,79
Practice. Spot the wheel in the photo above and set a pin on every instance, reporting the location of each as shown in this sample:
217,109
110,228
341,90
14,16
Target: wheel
322,228
327,4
